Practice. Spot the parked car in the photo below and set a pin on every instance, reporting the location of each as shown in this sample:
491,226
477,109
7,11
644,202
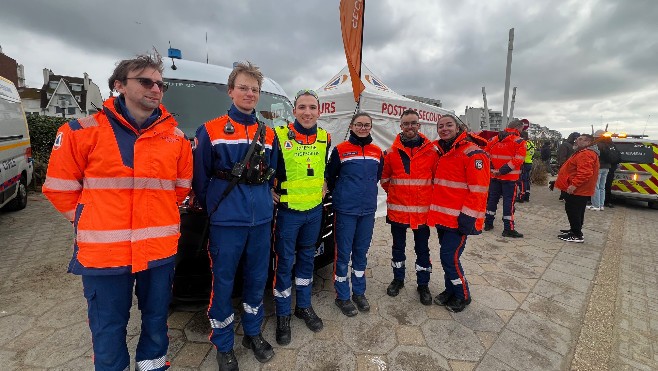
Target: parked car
198,93
636,177
16,165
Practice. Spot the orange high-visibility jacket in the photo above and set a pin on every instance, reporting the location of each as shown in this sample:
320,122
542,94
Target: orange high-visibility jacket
461,185
581,170
121,189
507,151
407,180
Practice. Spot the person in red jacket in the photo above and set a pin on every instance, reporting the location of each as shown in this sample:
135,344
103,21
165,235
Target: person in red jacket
578,177
407,179
507,152
119,176
459,197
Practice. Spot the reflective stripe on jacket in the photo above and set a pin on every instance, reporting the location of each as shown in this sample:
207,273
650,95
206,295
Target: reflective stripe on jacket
121,189
300,186
407,180
352,176
461,185
217,150
507,152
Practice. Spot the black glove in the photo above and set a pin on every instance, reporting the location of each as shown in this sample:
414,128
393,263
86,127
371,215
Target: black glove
551,185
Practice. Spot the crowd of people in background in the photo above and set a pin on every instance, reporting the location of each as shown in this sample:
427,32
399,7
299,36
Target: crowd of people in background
120,175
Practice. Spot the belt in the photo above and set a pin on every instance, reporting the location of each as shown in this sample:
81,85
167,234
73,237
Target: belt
226,175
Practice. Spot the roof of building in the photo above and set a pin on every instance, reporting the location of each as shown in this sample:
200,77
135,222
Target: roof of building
29,93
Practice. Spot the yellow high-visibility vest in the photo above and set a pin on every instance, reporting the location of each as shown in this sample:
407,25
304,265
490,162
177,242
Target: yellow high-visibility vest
305,164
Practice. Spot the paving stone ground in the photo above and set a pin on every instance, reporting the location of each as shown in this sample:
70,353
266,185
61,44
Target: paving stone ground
530,300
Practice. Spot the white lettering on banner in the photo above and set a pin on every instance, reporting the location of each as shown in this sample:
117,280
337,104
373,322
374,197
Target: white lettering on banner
328,107
358,4
396,110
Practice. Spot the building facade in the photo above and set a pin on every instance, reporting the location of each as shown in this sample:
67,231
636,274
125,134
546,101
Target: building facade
475,118
64,96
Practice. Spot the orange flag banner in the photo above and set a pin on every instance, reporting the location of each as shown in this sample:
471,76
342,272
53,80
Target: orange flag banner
351,24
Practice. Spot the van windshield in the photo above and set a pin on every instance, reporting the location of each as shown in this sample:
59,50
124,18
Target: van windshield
193,103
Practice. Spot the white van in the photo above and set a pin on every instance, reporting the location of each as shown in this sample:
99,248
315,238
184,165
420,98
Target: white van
15,151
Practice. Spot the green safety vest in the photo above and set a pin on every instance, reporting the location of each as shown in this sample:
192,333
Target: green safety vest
305,164
529,151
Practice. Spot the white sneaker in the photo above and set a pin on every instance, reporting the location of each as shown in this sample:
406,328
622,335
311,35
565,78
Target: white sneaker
594,208
601,208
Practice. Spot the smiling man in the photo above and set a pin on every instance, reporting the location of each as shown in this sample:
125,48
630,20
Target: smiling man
407,179
119,176
300,188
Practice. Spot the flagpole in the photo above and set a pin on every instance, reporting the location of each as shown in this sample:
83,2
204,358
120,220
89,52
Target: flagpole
363,21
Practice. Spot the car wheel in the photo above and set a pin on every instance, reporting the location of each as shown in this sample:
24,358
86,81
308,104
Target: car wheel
20,202
653,205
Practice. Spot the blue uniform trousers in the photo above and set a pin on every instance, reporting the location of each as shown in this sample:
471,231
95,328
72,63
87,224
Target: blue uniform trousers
109,299
421,247
353,236
296,233
507,189
227,244
451,247
523,184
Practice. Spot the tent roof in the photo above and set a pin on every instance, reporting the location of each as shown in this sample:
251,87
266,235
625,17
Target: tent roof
341,84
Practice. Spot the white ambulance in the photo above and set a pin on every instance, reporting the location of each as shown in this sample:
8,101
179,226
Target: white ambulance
15,151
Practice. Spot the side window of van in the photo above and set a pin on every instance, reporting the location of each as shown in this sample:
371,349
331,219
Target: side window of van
634,152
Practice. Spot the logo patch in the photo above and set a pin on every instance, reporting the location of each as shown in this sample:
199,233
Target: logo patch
287,144
58,141
478,164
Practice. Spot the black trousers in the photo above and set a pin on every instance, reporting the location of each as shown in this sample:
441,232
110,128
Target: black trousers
608,184
575,208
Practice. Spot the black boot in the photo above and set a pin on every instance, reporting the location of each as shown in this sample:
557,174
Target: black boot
456,304
425,295
262,349
227,361
313,322
361,302
394,288
347,307
512,233
488,227
443,298
283,335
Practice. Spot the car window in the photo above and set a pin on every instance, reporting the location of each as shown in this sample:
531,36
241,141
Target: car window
635,152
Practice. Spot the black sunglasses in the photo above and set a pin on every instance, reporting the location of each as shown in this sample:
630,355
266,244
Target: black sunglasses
148,83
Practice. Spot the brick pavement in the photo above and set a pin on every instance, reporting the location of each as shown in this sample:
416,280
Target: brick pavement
529,301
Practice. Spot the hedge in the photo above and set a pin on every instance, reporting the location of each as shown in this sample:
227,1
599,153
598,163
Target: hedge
43,130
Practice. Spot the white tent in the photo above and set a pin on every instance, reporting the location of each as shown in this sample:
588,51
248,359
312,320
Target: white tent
384,105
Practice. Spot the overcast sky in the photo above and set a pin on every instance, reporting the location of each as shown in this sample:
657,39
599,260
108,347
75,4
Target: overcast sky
575,63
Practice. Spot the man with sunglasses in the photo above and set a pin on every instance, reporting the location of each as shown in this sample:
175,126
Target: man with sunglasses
119,176
300,188
407,179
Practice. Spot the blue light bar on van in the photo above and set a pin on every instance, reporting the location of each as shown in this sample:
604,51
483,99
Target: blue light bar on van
174,53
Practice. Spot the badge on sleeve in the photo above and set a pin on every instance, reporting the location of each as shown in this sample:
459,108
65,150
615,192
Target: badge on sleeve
479,164
58,140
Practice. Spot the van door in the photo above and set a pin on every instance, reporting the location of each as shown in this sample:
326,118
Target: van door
14,142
